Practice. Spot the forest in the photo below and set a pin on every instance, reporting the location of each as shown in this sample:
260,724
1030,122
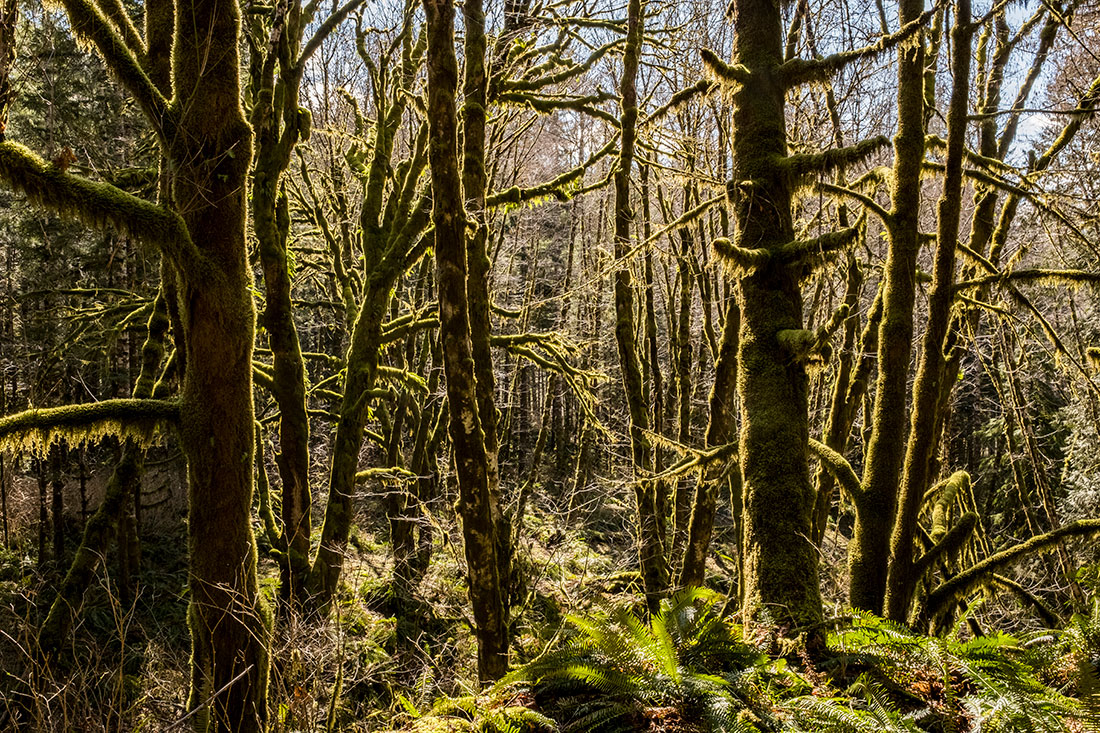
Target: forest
550,365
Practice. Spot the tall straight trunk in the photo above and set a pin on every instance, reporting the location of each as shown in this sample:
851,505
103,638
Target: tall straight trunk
720,431
475,92
780,563
43,511
229,620
875,505
470,455
684,494
653,388
901,580
651,551
57,503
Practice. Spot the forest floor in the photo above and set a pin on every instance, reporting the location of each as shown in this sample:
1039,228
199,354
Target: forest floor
375,664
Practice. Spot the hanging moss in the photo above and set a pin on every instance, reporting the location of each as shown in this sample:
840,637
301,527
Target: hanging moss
802,71
98,205
815,164
723,73
741,258
34,431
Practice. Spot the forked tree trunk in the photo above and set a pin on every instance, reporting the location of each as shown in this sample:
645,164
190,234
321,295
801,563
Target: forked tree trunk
868,553
902,577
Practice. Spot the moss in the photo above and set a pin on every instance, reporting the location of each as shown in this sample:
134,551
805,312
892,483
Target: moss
34,431
98,205
813,164
722,73
802,71
948,490
956,587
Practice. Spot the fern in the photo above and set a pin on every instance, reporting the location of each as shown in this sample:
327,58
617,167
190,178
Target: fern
990,683
687,662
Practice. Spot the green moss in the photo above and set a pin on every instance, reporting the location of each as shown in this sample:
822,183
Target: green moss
98,205
34,431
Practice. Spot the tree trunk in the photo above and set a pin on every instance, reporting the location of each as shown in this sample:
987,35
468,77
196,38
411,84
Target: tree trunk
868,552
470,455
651,551
229,620
780,564
901,579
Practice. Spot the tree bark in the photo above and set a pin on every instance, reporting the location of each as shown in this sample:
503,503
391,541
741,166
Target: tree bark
875,505
470,454
901,578
651,551
780,564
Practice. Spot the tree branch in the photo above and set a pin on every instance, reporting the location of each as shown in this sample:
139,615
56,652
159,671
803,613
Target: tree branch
802,71
90,24
966,581
99,205
37,429
838,466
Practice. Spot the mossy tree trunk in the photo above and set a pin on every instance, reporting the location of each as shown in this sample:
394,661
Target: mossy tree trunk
229,621
651,550
927,390
277,126
868,553
208,143
470,454
475,92
391,232
780,564
276,65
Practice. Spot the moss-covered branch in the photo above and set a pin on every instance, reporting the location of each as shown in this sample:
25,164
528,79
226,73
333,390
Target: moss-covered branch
1040,276
98,205
569,72
838,466
741,258
947,491
805,250
803,165
950,542
555,187
90,24
385,473
325,30
1049,617
866,201
701,87
802,71
958,586
37,429
722,73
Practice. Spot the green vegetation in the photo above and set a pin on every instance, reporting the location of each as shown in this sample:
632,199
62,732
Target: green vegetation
424,365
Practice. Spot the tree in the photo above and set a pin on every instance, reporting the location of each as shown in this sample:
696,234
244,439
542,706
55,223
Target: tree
201,128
